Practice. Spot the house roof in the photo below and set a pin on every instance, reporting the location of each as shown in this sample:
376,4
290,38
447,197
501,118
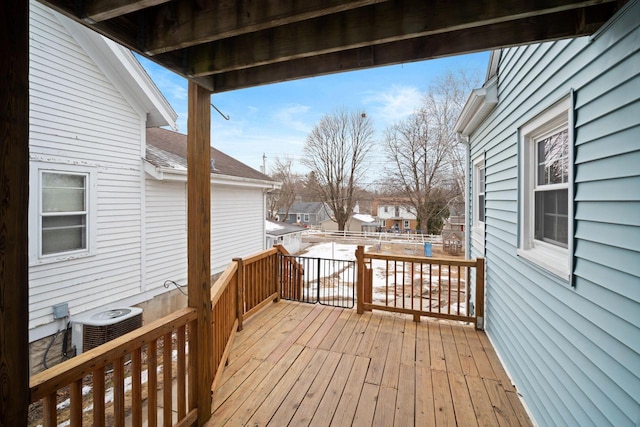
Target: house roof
304,207
167,150
280,228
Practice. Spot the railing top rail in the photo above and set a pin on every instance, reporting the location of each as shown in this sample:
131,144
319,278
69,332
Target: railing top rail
47,382
223,281
422,260
261,255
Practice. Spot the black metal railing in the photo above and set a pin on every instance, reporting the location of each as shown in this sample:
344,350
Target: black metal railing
318,280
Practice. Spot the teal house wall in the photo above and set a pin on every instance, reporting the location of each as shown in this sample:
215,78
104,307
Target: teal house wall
570,342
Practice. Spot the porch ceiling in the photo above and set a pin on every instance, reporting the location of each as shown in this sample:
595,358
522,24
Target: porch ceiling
226,45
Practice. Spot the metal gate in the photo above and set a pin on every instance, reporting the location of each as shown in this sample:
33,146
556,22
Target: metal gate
318,280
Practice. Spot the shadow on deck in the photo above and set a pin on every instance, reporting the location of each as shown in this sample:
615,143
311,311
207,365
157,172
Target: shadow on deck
301,364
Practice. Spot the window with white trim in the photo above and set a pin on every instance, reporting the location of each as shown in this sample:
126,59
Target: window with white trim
62,212
545,197
306,217
478,198
406,224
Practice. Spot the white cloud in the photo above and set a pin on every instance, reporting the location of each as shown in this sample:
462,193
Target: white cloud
290,116
394,103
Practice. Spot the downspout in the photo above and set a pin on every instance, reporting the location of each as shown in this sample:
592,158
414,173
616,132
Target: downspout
467,195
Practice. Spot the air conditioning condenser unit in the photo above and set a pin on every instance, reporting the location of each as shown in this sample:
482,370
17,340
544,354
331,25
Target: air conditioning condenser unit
92,330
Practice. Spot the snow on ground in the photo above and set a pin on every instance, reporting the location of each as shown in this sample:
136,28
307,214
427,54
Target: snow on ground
383,279
332,250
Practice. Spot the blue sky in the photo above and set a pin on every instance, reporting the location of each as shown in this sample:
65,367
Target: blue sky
275,119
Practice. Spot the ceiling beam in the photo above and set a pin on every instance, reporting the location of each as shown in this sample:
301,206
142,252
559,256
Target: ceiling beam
101,10
375,24
528,30
184,23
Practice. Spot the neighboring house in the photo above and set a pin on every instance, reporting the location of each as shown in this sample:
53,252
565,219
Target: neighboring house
305,213
107,228
238,208
395,215
554,206
287,235
357,223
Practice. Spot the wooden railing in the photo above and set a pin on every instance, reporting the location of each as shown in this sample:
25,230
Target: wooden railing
105,368
75,390
421,286
291,275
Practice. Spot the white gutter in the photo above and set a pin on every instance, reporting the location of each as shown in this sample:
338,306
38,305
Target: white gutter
180,175
480,103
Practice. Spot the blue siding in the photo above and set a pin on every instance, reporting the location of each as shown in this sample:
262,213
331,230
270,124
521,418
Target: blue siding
572,352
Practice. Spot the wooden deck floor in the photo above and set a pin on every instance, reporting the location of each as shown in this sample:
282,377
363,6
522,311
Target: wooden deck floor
299,364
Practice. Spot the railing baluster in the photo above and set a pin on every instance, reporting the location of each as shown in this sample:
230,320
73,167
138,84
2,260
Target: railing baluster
98,397
152,382
49,410
182,373
136,388
118,392
75,391
167,374
449,289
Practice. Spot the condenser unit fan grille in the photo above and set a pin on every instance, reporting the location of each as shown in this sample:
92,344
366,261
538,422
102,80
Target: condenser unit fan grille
93,336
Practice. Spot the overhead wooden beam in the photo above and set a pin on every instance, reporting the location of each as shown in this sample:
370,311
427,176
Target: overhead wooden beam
199,239
14,201
528,30
184,23
375,24
101,10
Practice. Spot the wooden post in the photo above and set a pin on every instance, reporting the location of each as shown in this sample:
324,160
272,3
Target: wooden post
14,202
480,293
360,284
240,292
276,275
199,239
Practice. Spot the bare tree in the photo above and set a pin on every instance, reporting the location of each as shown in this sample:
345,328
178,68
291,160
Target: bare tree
335,151
283,198
444,102
417,159
426,162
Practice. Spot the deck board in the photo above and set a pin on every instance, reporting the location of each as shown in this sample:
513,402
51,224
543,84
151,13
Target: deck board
299,364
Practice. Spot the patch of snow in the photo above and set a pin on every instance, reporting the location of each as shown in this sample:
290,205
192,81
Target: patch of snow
271,226
364,217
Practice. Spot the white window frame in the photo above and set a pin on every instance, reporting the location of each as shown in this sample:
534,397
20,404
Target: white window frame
406,224
306,217
37,169
551,257
477,229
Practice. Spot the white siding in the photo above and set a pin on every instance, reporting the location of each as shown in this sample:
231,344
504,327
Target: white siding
78,117
237,221
237,229
573,352
166,233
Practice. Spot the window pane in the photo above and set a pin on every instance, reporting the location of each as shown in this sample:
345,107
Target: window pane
481,208
64,233
63,192
551,219
552,159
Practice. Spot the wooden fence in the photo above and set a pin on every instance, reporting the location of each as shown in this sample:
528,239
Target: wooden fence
421,286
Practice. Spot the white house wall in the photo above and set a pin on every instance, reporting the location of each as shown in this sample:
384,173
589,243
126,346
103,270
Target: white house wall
77,117
573,352
237,218
166,233
237,221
